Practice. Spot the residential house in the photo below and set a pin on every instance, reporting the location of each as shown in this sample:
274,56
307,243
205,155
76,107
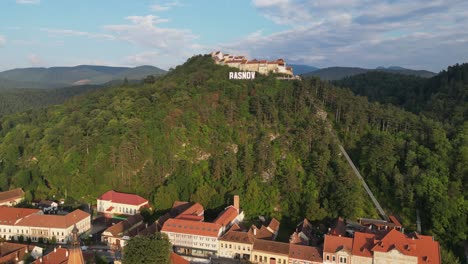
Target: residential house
337,249
392,246
267,251
301,254
15,253
11,197
115,203
118,234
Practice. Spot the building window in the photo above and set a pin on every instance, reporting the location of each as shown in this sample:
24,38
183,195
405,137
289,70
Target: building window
328,257
333,259
342,259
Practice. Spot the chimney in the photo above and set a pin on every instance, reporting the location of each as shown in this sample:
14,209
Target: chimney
40,259
236,202
255,231
55,249
17,256
66,254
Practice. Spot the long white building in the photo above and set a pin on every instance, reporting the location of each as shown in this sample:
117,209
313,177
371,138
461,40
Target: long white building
33,224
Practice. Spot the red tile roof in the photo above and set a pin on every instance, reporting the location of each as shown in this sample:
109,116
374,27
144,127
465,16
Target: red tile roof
54,221
11,195
236,235
423,247
272,247
9,215
302,252
274,225
334,244
191,227
194,209
176,259
123,198
10,251
362,244
197,218
58,256
395,220
121,228
227,216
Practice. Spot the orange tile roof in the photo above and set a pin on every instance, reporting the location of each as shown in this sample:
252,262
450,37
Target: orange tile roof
338,227
197,218
302,252
227,216
75,256
54,221
272,247
176,259
194,209
123,198
191,227
11,195
274,225
58,256
424,247
334,244
395,220
122,227
362,244
10,251
236,235
9,215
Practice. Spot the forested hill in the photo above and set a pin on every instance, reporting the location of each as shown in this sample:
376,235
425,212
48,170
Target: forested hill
195,135
337,73
18,100
192,135
56,77
443,97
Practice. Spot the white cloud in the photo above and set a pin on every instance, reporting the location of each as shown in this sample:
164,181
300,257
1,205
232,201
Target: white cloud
70,32
269,3
34,59
2,40
144,31
164,7
28,2
365,33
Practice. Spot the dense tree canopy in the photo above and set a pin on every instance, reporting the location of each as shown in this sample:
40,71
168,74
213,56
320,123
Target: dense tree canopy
194,135
148,249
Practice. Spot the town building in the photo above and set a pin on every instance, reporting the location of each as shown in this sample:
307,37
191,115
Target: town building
15,253
301,254
267,251
303,233
59,255
115,203
11,197
236,243
337,249
392,246
193,238
261,66
33,224
117,235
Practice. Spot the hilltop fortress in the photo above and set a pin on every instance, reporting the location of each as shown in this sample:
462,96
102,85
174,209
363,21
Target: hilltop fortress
260,66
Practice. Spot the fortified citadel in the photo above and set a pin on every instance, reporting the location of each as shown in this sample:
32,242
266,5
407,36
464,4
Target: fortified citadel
260,66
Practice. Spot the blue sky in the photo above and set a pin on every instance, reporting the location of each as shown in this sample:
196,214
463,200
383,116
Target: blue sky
418,34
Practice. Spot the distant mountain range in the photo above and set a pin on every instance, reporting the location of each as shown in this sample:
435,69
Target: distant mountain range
337,73
56,77
301,69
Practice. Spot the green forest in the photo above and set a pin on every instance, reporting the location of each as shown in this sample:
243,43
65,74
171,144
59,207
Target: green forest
195,135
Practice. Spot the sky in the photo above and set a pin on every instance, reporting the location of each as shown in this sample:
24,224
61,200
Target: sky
417,34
